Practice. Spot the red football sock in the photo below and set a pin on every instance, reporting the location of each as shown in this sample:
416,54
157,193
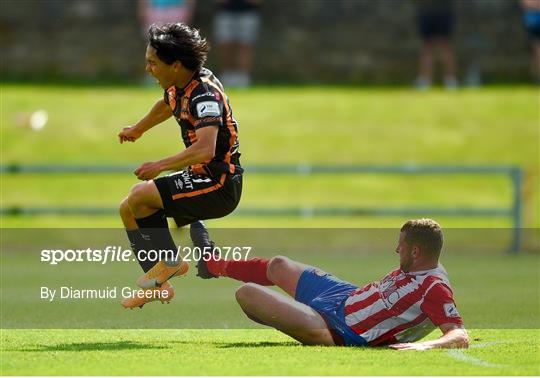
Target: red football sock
252,270
216,267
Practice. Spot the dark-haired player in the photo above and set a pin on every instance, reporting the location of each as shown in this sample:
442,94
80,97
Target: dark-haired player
401,308
207,178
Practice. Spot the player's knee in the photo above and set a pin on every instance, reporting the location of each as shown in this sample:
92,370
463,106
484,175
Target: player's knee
245,294
317,337
276,267
125,211
137,195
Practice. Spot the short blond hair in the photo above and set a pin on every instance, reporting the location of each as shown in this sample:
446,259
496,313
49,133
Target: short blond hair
425,233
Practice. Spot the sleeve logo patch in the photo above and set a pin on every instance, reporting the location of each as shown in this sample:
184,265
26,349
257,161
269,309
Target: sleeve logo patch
450,310
208,109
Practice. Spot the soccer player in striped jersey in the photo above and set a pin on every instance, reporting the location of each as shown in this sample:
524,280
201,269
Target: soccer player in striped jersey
207,177
400,309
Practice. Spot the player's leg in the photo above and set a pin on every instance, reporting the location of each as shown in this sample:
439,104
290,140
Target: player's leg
164,294
248,27
201,240
146,206
147,232
425,27
139,246
187,197
223,27
144,200
425,76
285,314
449,63
191,198
285,273
128,219
279,270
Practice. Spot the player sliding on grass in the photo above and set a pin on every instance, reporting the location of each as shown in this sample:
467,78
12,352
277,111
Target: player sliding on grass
403,307
211,185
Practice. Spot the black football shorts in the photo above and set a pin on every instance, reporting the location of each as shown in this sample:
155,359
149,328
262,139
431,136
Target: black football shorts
188,197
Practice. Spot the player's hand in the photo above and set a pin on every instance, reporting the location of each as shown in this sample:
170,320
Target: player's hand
129,134
410,346
147,171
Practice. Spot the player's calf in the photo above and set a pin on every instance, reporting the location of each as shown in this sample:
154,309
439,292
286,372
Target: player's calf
251,270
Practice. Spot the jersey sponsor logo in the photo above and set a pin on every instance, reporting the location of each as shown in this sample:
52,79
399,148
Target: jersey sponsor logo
208,109
207,94
184,181
389,290
450,310
395,287
179,184
187,180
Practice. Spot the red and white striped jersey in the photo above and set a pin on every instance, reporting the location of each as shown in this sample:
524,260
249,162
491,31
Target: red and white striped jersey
402,307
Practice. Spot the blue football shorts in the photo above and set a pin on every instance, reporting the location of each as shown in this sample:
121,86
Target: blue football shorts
326,294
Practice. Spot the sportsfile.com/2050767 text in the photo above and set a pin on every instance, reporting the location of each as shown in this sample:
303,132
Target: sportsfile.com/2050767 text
118,254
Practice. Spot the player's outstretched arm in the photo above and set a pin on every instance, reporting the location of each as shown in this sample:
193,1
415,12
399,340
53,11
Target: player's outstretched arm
157,114
201,151
454,336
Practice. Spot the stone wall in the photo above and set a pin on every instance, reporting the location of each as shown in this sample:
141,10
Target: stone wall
315,41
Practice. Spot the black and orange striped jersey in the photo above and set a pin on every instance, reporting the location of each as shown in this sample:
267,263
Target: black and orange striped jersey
201,103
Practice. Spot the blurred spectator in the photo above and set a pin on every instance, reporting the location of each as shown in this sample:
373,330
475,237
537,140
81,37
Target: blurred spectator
162,11
236,28
436,20
531,19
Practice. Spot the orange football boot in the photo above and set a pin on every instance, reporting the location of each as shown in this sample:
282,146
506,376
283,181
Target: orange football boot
140,297
161,272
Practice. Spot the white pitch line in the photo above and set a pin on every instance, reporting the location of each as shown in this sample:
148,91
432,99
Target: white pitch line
459,354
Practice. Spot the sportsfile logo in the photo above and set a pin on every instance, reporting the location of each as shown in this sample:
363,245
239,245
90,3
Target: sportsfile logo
108,254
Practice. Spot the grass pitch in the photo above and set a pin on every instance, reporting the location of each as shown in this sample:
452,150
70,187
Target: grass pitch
289,126
251,352
204,332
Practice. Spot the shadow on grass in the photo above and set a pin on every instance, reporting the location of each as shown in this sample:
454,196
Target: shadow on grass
78,347
258,344
263,344
255,344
